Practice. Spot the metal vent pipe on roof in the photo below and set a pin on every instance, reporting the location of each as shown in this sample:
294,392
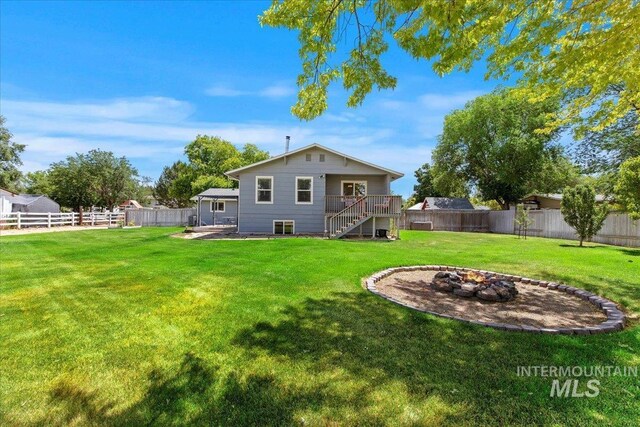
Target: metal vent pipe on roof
286,146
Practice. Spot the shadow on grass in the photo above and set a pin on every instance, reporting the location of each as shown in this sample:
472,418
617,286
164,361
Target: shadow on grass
348,348
197,394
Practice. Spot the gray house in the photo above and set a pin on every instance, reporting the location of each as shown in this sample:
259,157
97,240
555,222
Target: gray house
311,190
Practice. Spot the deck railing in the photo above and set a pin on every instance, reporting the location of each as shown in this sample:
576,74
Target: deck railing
374,205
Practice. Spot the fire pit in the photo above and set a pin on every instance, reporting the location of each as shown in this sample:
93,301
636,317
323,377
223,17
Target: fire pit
486,287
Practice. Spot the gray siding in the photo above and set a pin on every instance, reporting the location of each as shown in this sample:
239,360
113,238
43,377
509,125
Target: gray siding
221,218
258,218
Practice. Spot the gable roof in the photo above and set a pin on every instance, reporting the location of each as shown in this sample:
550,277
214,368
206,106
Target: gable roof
234,174
24,199
431,203
130,202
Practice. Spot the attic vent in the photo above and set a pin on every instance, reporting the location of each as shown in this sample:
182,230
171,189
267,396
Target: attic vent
322,157
308,157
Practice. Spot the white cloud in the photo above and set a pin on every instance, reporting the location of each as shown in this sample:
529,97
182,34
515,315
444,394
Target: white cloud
139,129
275,91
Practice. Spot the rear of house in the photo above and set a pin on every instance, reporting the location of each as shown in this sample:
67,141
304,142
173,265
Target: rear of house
315,190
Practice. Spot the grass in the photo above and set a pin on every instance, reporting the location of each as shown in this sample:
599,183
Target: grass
131,327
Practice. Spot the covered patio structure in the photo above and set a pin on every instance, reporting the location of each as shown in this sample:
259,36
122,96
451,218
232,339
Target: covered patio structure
217,207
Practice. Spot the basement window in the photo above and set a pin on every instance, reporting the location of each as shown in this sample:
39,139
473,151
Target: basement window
282,226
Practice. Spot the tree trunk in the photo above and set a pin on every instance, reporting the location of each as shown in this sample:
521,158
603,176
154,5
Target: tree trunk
80,216
581,240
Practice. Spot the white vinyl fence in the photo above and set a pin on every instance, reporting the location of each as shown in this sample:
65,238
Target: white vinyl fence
49,219
618,229
159,217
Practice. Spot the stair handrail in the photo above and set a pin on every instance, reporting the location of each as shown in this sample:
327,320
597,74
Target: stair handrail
341,219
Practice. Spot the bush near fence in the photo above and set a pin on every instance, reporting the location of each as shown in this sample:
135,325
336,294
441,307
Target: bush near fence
618,229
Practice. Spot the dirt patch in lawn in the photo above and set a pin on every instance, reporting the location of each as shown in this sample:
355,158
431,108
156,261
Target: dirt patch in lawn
534,306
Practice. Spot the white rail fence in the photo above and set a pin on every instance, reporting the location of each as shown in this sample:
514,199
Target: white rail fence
50,219
618,229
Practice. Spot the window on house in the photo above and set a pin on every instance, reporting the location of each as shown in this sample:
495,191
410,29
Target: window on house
304,190
217,206
322,157
264,189
284,227
308,157
354,188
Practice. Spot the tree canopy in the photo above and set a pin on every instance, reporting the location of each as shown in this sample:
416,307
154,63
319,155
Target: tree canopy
493,145
97,178
557,49
9,159
209,157
424,187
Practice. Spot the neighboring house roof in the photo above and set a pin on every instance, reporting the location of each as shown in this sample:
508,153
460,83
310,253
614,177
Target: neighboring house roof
431,203
24,199
133,203
234,174
218,193
7,193
556,196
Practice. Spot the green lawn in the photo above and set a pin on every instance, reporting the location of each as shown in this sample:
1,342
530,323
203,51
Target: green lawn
133,327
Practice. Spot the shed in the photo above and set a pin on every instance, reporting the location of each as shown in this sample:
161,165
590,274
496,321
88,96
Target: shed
29,202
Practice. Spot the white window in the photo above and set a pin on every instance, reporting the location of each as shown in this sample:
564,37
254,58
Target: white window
217,206
284,226
264,189
304,190
354,188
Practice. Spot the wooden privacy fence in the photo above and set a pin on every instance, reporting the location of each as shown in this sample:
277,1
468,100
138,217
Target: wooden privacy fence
618,229
446,220
50,219
159,217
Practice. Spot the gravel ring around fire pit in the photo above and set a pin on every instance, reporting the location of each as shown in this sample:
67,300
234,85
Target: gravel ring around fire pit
540,307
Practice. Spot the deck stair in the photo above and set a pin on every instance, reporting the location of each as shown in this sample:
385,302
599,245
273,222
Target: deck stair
359,210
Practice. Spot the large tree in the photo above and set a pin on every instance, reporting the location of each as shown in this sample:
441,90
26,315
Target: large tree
38,182
424,187
209,157
570,49
9,159
495,145
95,178
173,188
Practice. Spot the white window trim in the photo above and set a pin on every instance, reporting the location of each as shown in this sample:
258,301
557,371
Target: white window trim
224,204
349,181
272,190
310,190
293,228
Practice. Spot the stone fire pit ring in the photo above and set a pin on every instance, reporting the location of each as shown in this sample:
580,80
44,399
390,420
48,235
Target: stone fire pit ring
614,316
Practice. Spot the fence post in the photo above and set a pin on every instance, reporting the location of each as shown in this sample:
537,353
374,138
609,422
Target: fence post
19,220
93,219
48,219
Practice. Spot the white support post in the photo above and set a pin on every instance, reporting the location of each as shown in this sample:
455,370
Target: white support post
19,220
48,219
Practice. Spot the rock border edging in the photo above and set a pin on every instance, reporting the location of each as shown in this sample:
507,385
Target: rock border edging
614,322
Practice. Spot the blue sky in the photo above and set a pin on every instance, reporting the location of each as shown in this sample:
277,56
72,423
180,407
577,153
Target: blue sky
142,79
